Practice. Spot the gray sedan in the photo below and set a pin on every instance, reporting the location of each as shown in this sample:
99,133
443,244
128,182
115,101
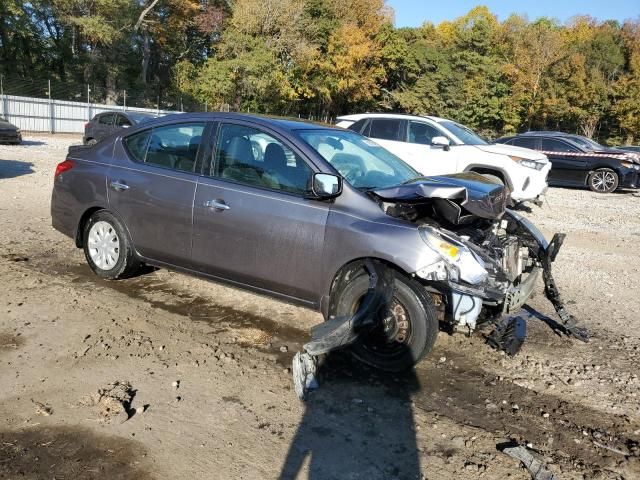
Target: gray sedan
310,214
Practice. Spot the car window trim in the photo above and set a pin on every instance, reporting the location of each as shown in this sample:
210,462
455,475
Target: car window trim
213,161
146,149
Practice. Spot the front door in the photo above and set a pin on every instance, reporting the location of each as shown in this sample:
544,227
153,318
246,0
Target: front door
253,222
151,184
568,167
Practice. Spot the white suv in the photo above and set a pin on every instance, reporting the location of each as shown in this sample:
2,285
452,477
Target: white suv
436,146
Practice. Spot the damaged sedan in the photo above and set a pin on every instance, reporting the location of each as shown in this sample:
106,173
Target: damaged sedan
313,215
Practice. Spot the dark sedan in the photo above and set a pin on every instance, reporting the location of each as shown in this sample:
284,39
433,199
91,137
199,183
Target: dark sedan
578,161
104,124
9,133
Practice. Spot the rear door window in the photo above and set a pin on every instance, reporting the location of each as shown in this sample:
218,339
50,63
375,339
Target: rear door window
386,129
553,145
171,146
106,119
526,142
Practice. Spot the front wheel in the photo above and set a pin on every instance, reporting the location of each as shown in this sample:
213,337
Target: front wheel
407,327
603,180
107,247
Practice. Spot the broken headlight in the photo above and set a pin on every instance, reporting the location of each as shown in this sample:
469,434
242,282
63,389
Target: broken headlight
462,262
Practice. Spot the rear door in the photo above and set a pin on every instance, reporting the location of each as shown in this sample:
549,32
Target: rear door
151,184
253,222
104,126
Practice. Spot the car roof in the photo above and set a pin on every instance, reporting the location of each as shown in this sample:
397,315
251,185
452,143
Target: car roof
279,123
402,116
545,133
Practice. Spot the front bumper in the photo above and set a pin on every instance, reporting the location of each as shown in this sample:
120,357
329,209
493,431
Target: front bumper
10,136
531,184
629,178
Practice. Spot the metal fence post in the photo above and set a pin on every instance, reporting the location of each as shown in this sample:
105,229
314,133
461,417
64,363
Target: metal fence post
88,103
51,113
125,100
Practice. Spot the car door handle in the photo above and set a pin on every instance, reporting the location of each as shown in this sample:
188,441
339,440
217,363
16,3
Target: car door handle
216,205
119,186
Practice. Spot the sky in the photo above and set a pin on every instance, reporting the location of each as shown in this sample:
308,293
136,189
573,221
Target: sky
412,13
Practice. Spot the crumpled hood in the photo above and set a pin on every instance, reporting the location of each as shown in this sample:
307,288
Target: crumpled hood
474,192
619,153
514,151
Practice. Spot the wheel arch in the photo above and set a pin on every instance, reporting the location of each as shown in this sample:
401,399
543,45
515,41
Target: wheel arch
345,272
79,239
497,171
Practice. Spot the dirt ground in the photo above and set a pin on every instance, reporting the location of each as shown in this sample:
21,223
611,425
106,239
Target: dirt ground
168,376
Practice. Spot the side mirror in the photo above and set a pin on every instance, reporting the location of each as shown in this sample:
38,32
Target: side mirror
325,185
441,142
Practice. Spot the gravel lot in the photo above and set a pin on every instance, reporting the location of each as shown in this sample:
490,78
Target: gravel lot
167,376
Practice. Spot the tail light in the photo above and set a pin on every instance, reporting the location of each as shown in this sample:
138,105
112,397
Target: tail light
63,167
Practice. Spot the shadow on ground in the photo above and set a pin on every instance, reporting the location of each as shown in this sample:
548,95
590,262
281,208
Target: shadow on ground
357,425
14,168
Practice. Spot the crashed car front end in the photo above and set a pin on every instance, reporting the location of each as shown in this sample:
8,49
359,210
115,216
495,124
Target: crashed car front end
489,257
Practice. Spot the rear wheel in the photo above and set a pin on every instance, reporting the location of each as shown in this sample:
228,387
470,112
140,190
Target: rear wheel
603,180
107,247
92,141
407,327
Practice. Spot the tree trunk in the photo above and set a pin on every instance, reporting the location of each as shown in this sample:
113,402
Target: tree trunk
146,55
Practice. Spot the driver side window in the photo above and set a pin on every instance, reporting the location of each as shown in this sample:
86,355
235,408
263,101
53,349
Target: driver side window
422,133
249,156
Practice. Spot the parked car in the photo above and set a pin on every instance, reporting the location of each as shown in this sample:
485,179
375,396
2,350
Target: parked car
435,146
9,133
104,124
578,161
631,148
304,213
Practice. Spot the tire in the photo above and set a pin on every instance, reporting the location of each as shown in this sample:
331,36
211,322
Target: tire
603,180
391,347
107,247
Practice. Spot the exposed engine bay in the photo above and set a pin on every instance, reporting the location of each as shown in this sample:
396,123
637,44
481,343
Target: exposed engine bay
484,265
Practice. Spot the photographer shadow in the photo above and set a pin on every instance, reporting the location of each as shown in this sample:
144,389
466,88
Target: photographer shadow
358,425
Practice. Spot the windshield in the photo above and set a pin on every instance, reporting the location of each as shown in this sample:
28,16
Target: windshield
361,162
465,134
140,117
587,143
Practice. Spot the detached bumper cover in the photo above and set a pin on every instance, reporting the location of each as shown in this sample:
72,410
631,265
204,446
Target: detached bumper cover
547,253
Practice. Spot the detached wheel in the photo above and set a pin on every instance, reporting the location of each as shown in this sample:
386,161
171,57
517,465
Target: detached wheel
107,247
603,180
407,328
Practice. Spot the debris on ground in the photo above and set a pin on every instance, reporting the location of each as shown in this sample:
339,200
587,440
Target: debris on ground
114,401
42,408
529,459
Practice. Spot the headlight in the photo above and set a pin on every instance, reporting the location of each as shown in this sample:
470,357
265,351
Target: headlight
466,264
527,163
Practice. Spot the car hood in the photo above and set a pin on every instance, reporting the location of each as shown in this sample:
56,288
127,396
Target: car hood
514,151
472,191
7,126
618,152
